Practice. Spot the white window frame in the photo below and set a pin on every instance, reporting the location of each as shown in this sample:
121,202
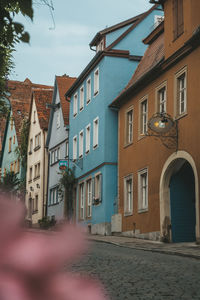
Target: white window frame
98,187
54,199
128,195
75,147
143,120
89,197
179,92
161,102
87,138
143,190
81,98
38,140
82,200
67,149
96,81
129,126
95,133
88,90
81,140
75,105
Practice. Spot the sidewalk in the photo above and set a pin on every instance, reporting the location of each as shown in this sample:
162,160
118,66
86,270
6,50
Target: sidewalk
182,249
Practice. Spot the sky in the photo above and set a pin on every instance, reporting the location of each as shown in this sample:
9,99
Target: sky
60,45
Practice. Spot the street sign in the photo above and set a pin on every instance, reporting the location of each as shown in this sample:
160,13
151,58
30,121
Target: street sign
63,164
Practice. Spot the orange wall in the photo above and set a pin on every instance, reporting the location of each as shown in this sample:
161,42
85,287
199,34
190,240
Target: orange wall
191,14
149,152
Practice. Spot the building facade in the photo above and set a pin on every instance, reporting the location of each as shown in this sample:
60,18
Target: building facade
159,161
37,158
93,136
58,145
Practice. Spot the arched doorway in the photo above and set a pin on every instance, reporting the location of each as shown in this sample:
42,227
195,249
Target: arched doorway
179,199
182,204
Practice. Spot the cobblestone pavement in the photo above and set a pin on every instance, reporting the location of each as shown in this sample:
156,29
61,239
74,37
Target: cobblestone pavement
135,274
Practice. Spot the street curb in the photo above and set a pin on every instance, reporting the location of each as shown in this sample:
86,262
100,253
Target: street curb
169,252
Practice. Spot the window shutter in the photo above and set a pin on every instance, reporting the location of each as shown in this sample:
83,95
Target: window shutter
180,17
93,190
100,188
175,18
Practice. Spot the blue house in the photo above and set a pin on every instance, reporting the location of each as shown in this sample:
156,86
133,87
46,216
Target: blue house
57,144
93,135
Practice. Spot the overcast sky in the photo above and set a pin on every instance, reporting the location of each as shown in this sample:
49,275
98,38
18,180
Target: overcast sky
65,48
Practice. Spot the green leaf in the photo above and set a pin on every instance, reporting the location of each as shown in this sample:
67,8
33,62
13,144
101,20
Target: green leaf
25,37
19,28
26,8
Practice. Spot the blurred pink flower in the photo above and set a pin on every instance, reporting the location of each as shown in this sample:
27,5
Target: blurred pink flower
31,262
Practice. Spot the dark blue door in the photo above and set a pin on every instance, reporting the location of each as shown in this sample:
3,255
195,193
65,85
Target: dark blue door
182,204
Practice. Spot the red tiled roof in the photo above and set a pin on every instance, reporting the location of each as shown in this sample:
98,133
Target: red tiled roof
153,55
64,83
42,97
20,99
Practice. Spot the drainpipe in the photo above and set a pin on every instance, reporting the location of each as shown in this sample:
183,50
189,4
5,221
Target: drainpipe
47,194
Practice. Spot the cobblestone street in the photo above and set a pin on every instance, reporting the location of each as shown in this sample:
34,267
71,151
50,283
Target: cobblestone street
136,274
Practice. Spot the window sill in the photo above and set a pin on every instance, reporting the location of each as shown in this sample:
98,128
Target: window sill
95,146
81,156
35,212
128,214
30,152
178,117
37,148
53,204
96,201
75,115
142,210
34,122
81,108
96,93
88,151
128,144
36,178
141,136
178,35
30,181
88,101
54,163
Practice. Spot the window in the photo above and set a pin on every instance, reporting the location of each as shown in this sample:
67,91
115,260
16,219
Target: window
128,195
88,92
87,142
100,46
75,105
11,167
95,132
34,116
30,173
53,197
178,22
31,146
67,149
81,144
11,123
81,191
162,100
96,82
89,198
35,204
37,141
55,155
4,172
75,148
129,126
142,190
143,116
14,139
58,119
81,98
97,188
181,93
37,170
10,145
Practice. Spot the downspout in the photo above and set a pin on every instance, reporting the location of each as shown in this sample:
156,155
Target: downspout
47,194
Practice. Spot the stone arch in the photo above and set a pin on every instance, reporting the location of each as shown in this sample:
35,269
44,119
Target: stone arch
171,166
